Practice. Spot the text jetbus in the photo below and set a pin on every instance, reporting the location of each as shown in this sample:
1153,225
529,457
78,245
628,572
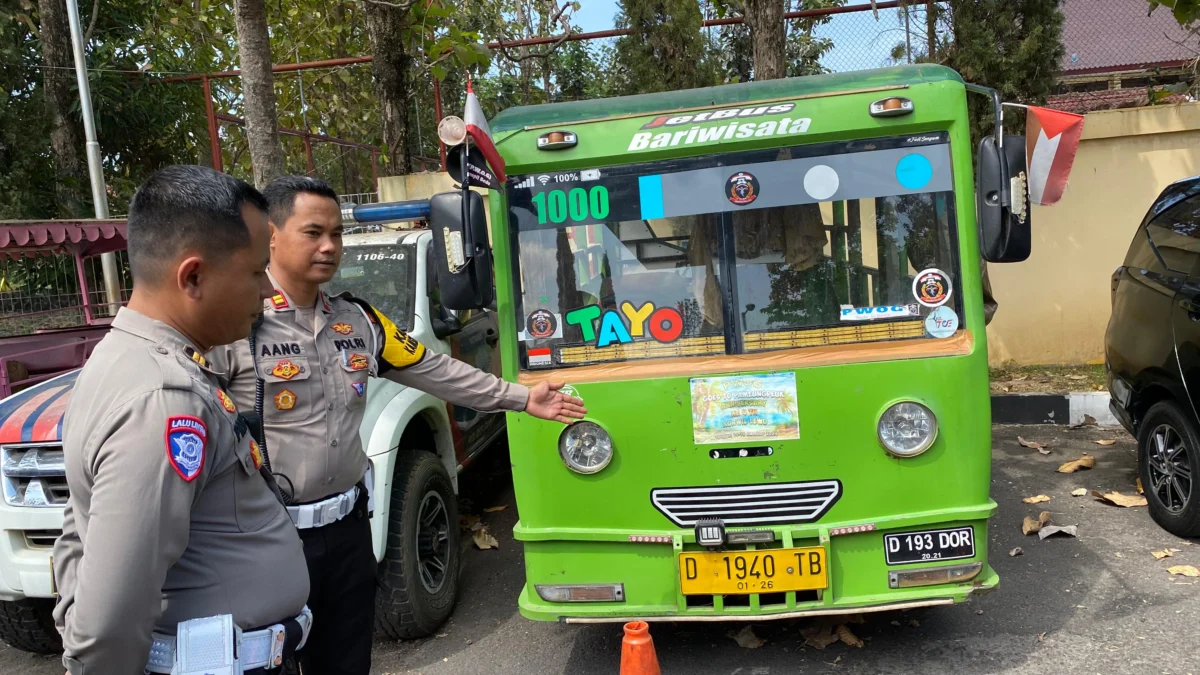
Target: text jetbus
769,297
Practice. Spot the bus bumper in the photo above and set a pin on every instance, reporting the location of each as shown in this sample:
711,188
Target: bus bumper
649,573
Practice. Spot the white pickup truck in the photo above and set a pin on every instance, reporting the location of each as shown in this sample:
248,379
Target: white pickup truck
416,443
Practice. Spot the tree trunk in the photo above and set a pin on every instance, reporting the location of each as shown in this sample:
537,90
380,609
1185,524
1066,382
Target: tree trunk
258,89
767,35
200,44
66,136
347,157
391,66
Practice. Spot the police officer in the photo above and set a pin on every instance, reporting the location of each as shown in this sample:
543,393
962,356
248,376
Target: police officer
313,354
170,526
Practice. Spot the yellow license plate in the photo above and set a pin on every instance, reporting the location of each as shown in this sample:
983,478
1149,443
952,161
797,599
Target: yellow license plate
742,572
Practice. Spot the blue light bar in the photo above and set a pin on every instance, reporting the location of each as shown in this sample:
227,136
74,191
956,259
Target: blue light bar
387,212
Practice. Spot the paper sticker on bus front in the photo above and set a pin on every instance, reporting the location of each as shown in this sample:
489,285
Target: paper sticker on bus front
745,408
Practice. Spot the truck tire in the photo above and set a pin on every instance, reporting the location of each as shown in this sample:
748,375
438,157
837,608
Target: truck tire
28,625
418,577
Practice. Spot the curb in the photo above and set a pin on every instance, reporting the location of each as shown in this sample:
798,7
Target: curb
1052,408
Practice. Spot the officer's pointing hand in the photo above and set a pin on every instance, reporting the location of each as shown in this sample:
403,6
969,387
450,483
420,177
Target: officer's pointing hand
548,403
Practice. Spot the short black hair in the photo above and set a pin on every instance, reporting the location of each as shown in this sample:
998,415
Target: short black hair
184,207
281,195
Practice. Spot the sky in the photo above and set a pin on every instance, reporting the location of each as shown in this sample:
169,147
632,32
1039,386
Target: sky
859,41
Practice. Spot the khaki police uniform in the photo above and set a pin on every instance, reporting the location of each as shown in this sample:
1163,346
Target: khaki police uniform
315,362
169,518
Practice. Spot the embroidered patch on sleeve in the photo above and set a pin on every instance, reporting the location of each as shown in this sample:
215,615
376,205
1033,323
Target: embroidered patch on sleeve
186,438
226,402
256,454
342,328
360,388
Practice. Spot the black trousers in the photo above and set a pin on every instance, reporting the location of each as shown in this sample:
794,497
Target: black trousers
341,574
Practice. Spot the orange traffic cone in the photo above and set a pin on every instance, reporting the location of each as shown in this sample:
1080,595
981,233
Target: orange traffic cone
637,651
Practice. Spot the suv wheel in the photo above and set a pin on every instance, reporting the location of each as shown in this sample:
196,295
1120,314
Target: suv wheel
418,578
28,625
1169,462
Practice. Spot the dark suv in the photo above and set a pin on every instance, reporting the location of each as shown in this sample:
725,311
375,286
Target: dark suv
1152,354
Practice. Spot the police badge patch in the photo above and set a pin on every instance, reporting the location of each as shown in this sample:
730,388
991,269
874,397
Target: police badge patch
541,324
186,437
360,388
741,188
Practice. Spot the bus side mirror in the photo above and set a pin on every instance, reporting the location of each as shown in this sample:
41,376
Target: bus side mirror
1002,201
460,241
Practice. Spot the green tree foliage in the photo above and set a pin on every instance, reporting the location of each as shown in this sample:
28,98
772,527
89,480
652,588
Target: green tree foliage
803,49
1013,46
667,50
1186,12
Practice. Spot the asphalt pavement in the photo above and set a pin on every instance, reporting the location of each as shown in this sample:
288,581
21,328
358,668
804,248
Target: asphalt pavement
1097,603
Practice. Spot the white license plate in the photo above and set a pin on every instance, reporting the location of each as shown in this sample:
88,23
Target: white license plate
905,548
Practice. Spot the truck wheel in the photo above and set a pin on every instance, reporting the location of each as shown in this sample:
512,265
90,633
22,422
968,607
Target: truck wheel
418,577
1169,465
28,625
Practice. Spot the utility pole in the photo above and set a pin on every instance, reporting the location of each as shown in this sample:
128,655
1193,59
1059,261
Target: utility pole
108,261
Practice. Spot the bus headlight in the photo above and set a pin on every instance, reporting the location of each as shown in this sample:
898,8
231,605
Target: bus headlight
907,429
585,447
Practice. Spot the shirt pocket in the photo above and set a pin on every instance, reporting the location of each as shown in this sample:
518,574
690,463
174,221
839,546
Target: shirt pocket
287,388
355,368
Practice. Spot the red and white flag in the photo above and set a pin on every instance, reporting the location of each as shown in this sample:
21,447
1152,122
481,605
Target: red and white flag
1051,139
477,129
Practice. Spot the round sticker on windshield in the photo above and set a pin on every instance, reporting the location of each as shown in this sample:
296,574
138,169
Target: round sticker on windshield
741,188
541,324
941,322
932,288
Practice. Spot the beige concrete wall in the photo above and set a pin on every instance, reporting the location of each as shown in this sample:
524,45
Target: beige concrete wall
1054,307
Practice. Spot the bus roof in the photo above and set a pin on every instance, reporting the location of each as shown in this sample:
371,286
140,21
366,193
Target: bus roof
573,112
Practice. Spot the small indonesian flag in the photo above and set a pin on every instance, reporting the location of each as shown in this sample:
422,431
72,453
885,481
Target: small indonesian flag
539,357
477,129
1051,139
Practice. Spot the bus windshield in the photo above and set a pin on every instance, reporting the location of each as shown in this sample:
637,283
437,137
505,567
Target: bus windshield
735,253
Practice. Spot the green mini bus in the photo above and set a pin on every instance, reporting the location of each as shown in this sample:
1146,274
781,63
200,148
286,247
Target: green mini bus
769,297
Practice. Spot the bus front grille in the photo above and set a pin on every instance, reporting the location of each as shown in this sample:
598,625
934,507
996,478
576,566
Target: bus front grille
767,504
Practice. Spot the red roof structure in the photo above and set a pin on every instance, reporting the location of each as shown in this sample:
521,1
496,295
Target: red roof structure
38,237
1111,35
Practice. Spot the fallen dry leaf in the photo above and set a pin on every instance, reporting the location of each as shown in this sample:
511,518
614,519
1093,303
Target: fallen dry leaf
1032,526
1052,530
819,636
1184,571
1118,499
895,623
914,624
1041,637
1076,377
849,639
1016,552
1106,442
493,509
1139,487
466,521
1038,499
1088,421
1036,445
1079,493
1084,462
483,540
1159,555
746,638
